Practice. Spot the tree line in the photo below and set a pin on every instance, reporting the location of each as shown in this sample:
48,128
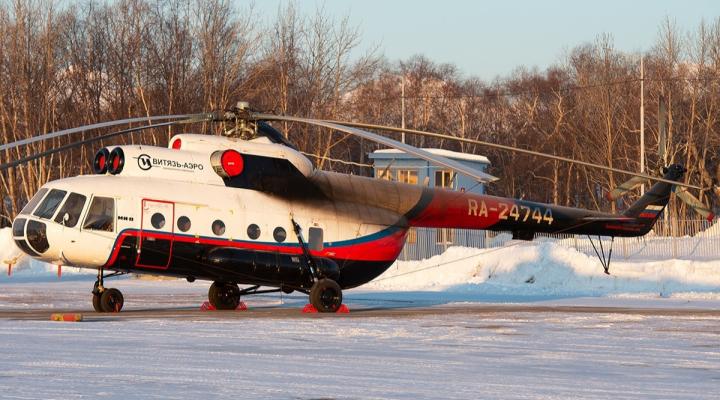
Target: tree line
68,65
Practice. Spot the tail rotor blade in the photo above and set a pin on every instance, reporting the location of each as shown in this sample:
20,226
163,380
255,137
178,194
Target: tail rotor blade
695,204
627,186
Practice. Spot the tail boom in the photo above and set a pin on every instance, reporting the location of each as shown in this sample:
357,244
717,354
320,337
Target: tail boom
439,208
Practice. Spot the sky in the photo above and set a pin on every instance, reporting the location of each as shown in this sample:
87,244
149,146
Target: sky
486,39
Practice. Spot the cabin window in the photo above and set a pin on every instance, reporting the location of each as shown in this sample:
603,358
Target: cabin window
72,208
157,221
279,234
407,176
183,223
253,231
30,206
444,179
315,238
101,215
50,204
18,227
37,236
218,227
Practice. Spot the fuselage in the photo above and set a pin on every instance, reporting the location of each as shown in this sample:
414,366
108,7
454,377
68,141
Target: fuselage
190,213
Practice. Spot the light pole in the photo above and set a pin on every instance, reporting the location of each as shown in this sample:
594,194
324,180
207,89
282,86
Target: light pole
642,121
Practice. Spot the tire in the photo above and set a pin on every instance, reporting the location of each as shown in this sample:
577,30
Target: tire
96,303
111,300
224,295
326,295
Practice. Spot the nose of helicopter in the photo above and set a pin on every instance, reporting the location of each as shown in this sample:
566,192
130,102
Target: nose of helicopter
34,238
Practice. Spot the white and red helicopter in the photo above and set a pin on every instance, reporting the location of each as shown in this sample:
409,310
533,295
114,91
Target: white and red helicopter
247,208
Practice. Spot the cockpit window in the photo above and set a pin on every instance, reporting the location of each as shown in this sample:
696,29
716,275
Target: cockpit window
30,206
101,215
50,204
72,208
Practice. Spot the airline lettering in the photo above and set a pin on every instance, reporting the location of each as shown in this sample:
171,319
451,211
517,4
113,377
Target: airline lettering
511,211
145,162
157,162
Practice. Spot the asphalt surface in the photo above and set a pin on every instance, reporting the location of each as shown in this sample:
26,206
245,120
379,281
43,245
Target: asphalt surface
285,312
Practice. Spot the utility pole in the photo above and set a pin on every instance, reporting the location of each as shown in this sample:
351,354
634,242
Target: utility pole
642,121
402,105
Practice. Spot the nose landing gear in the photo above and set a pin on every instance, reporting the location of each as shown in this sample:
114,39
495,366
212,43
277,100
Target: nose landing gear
106,299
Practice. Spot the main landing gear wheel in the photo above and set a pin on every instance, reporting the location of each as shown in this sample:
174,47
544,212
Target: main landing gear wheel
224,295
326,295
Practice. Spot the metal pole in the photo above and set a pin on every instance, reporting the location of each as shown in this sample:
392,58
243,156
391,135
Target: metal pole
642,121
402,106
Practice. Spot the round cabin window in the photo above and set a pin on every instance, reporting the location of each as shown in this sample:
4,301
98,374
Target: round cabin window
218,227
279,234
157,220
253,231
183,223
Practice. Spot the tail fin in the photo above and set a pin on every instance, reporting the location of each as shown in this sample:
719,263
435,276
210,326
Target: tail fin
653,202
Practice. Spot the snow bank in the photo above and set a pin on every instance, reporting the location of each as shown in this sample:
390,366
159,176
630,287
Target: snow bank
712,231
547,269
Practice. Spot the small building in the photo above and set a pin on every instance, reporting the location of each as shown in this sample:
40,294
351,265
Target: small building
397,165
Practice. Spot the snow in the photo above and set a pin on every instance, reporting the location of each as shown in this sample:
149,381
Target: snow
523,269
489,355
444,153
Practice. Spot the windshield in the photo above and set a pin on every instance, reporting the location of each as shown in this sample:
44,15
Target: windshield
72,208
50,204
101,215
30,206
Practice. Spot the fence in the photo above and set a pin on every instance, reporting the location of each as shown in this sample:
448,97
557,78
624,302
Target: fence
673,239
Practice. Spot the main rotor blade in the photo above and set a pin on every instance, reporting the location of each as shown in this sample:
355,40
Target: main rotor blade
425,155
511,148
93,139
107,124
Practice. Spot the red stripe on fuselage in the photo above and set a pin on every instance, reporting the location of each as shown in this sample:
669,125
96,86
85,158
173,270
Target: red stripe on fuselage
627,228
386,248
451,209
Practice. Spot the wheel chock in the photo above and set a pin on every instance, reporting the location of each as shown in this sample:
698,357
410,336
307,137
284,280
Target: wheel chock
206,306
310,309
66,317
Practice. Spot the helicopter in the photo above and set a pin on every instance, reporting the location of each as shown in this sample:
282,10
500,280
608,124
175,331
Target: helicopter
248,208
